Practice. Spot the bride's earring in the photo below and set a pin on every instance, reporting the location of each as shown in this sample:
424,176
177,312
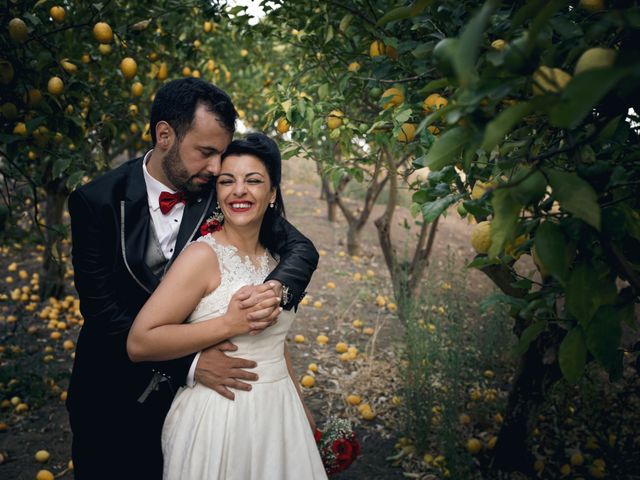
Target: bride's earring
272,205
217,215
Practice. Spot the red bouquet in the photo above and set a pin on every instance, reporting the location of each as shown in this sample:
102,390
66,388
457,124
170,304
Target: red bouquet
337,444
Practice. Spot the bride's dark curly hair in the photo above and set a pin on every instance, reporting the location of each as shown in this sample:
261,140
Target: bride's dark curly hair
266,150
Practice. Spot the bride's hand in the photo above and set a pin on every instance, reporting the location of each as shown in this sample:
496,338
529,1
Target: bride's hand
256,318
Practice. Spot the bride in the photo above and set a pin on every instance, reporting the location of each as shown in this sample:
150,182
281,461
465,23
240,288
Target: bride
265,433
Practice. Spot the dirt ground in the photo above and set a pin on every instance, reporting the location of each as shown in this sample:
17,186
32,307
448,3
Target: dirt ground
342,299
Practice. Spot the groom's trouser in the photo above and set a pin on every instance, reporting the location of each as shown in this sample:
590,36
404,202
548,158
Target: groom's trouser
117,442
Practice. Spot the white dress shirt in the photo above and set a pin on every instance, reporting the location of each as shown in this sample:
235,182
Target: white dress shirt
166,227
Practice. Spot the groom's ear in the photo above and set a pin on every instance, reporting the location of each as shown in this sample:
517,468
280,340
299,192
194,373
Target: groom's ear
164,135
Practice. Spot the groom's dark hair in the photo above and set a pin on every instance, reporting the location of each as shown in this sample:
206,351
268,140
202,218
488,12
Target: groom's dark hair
176,103
267,151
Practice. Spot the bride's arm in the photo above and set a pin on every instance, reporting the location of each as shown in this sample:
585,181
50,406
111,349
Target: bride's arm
158,332
312,422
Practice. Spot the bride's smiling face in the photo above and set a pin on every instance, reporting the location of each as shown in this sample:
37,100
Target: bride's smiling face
244,189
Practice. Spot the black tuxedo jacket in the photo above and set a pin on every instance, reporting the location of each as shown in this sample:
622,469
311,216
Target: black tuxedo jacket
110,225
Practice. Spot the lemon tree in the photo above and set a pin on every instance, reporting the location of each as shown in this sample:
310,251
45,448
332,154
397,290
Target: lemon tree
76,83
542,142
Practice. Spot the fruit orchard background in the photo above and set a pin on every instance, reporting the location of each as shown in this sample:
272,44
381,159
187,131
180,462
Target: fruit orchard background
523,114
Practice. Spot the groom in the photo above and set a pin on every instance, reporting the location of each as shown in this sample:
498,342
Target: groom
127,228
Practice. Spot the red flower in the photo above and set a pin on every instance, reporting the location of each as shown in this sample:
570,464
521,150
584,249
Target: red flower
317,435
343,450
210,226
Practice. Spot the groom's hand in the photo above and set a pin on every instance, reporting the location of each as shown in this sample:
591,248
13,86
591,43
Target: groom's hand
220,372
262,303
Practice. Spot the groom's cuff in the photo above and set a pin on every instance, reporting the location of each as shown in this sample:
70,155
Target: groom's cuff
191,377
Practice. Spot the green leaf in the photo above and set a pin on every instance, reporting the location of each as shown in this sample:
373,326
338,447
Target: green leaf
60,166
401,13
444,150
505,220
575,195
286,107
345,22
423,50
403,116
551,248
481,262
587,291
603,337
582,94
434,85
329,36
497,129
573,355
433,210
464,63
529,335
74,179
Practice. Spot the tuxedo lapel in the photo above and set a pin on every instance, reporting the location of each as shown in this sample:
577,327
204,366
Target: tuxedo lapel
134,233
194,214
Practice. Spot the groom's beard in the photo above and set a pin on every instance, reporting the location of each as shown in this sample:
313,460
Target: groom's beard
178,175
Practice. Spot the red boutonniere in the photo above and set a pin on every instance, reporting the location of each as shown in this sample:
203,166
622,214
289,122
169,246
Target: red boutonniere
210,225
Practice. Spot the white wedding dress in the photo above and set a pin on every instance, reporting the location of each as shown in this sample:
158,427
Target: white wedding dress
263,433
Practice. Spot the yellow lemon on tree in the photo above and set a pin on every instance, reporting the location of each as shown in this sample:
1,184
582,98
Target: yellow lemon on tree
334,119
128,67
137,89
20,129
282,126
104,49
353,67
308,381
102,32
55,86
435,101
481,237
479,189
549,80
394,97
595,58
68,67
57,13
377,48
163,72
407,132
18,30
499,44
474,446
207,27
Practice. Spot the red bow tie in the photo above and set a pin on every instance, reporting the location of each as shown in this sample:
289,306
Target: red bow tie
169,200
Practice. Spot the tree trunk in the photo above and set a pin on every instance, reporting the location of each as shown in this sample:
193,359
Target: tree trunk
353,239
533,378
537,372
53,265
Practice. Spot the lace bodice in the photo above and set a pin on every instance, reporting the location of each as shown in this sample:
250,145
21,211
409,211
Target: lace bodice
235,272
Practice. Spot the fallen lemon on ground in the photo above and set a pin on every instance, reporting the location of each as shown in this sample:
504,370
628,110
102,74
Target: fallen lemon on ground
322,339
298,338
42,456
341,347
474,446
308,381
354,399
